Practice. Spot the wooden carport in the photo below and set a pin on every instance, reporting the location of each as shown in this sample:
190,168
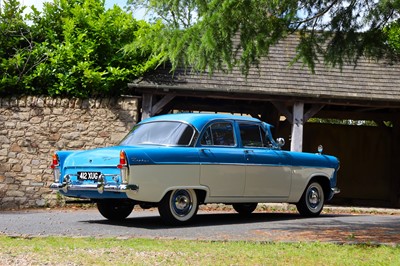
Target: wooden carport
370,91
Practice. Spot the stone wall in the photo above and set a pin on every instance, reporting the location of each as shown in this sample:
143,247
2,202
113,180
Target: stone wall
32,128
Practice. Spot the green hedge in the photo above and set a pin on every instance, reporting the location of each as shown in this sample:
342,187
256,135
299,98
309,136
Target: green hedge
72,48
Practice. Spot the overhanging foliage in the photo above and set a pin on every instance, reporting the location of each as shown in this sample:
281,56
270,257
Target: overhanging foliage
214,35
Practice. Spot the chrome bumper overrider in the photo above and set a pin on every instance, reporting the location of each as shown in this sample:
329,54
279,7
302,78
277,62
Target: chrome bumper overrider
335,190
100,186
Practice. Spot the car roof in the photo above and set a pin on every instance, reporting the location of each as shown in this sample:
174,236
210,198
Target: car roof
198,120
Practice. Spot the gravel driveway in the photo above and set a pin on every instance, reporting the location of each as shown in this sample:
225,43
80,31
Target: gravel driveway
209,225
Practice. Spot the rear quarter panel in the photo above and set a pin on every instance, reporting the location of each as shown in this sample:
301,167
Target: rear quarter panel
156,170
154,181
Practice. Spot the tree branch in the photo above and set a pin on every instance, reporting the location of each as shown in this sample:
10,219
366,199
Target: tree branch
318,15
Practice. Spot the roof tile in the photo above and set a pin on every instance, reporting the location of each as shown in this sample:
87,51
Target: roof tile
368,79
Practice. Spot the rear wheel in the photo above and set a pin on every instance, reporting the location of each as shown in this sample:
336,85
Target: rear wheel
115,210
178,206
244,208
312,200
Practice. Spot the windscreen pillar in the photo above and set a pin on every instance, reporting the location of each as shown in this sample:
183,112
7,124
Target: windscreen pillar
297,127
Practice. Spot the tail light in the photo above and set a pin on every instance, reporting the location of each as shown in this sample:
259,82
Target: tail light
55,161
55,166
122,160
123,166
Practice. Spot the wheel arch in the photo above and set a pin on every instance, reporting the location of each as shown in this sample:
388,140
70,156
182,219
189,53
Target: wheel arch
201,192
201,195
324,182
300,184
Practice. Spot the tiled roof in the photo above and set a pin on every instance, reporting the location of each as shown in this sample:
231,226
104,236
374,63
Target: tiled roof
368,81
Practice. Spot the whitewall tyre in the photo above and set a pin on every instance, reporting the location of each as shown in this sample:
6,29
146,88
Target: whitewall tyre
179,206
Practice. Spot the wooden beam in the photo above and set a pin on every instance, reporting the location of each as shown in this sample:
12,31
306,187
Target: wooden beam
148,109
297,127
315,108
212,105
282,108
202,92
161,104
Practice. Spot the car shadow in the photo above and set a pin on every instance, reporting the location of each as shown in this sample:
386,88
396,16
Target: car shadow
153,220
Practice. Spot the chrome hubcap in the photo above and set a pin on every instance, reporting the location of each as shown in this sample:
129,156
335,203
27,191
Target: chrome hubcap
313,198
182,203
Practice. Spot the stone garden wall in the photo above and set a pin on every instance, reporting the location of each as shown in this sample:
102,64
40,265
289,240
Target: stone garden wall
32,128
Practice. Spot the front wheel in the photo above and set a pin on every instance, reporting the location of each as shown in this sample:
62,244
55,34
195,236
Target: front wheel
115,210
244,208
179,206
312,200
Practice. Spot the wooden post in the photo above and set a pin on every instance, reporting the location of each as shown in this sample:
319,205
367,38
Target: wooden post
147,105
297,127
395,158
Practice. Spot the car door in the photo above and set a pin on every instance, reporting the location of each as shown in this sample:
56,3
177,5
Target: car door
222,167
267,172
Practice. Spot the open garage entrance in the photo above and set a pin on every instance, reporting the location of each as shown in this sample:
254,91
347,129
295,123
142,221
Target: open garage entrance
367,97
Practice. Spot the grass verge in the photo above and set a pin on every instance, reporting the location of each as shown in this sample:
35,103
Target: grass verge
107,251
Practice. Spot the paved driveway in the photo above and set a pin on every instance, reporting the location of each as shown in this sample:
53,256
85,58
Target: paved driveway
214,225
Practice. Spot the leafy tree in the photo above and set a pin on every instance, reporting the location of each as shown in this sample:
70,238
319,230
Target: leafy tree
220,34
17,57
71,48
393,33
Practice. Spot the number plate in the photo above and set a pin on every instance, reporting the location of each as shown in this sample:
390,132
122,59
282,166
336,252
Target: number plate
89,175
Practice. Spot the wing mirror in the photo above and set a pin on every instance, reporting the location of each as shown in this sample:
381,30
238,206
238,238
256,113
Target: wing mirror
320,149
280,142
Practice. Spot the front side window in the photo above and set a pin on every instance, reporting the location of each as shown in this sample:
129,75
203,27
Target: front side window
252,135
160,133
219,134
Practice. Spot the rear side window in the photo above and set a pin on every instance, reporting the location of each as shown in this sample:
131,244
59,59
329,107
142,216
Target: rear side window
219,134
252,135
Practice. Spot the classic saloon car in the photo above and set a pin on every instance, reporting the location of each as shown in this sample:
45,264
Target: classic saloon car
176,162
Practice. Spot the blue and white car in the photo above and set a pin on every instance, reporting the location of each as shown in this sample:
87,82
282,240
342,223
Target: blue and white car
176,162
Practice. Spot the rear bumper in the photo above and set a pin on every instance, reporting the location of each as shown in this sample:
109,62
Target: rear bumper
100,186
